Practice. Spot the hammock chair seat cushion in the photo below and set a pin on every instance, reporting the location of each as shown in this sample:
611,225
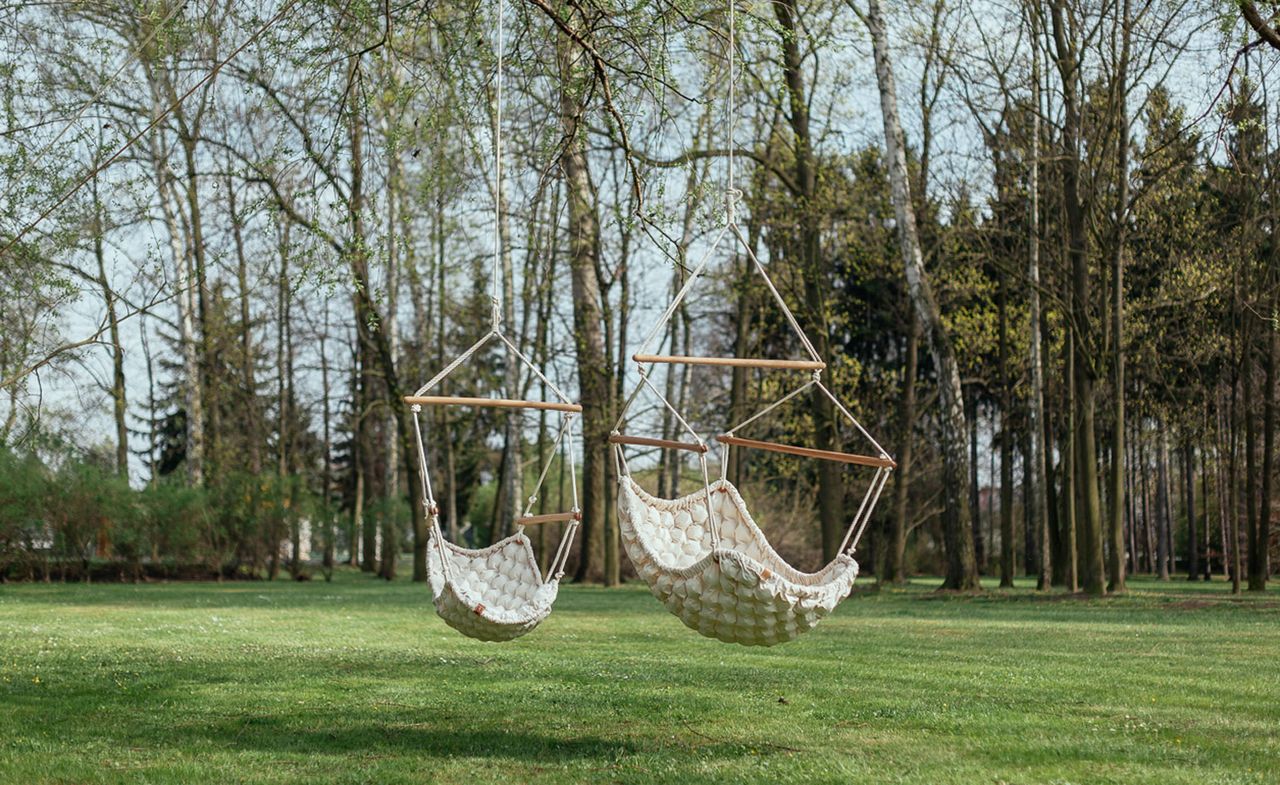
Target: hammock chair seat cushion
494,593
740,592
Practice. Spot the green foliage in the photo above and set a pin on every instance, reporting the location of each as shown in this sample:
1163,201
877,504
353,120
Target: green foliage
81,519
23,483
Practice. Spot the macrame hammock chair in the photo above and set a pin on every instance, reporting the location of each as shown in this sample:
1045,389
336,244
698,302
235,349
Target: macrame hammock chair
703,555
498,593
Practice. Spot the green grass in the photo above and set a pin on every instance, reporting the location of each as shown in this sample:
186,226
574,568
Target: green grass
358,681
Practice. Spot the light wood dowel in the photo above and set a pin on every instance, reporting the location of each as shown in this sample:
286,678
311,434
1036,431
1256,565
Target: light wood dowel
551,517
493,403
736,362
644,441
809,452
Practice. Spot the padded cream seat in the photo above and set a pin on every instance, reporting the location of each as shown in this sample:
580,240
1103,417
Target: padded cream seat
494,593
740,592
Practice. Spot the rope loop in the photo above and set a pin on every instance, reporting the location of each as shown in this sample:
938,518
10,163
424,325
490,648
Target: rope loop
731,198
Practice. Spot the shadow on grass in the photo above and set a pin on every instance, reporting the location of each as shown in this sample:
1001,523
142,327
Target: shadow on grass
435,738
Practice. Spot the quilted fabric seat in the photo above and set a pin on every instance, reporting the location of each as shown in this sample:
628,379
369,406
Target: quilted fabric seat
741,592
494,593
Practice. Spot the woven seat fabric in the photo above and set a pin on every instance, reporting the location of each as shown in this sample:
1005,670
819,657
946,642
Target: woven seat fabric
492,594
742,592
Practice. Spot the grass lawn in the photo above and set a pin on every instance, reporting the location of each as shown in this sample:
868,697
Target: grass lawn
358,681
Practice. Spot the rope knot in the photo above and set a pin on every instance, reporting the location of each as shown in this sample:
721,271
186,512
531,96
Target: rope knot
731,198
417,407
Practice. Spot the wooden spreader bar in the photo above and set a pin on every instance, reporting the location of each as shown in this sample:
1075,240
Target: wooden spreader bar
736,362
667,444
551,517
808,452
493,403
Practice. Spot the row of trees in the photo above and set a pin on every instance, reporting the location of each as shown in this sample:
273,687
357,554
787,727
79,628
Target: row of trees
1035,269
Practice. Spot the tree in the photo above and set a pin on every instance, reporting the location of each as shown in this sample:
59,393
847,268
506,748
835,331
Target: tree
962,571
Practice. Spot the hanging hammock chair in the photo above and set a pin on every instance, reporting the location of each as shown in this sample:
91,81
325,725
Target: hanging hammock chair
497,593
703,555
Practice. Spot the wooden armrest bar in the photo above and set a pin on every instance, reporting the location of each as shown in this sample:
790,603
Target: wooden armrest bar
808,452
644,441
493,403
551,517
737,362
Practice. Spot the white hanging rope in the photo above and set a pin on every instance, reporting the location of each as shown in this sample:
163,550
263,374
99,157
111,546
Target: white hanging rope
860,520
733,113
557,564
777,296
852,419
459,360
812,381
684,291
555,570
497,174
536,371
546,467
428,501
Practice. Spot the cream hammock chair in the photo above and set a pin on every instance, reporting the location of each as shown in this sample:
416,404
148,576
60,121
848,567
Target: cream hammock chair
702,554
497,593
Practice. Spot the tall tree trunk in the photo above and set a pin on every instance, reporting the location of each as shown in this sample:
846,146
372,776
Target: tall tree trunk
326,454
1070,549
1163,525
1189,501
444,426
193,389
1006,441
1055,548
962,569
1089,509
1037,471
513,421
1116,565
395,240
212,411
1259,555
1249,412
247,365
119,402
895,571
1148,519
814,272
1204,504
584,244
975,489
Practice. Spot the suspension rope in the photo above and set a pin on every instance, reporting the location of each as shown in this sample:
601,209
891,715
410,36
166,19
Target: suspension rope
428,500
775,404
555,570
497,173
546,467
732,108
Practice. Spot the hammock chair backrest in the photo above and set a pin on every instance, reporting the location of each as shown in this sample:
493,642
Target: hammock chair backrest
503,576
